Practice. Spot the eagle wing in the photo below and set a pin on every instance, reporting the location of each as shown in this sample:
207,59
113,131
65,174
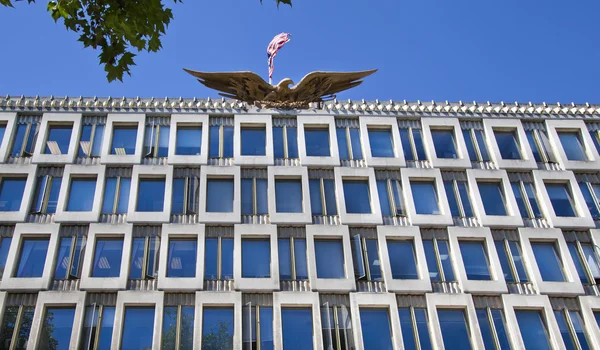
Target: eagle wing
317,85
243,86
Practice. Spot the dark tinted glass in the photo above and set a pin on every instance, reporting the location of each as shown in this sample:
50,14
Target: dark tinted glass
561,199
219,195
475,259
329,256
217,328
32,257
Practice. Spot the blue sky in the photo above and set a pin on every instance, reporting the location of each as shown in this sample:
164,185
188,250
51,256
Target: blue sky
424,49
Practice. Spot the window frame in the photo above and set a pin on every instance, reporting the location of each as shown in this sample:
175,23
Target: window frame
115,120
10,122
527,160
263,232
368,174
453,124
386,302
252,121
137,299
396,209
512,217
521,184
74,172
178,120
432,175
57,119
593,158
169,232
342,234
146,172
24,171
70,275
590,305
117,198
231,300
460,301
282,300
233,173
328,121
97,121
367,123
292,173
459,198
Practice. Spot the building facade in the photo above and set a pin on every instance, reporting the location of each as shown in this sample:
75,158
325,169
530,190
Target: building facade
211,224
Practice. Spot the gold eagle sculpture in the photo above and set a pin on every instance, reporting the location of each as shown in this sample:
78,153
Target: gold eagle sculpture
251,88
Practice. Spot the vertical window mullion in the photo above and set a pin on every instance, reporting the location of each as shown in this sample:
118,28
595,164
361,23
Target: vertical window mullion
186,194
390,195
146,258
98,325
336,322
285,142
438,260
115,207
490,318
156,142
46,194
413,146
219,258
323,199
540,145
363,244
586,268
349,144
461,208
572,331
525,197
475,145
258,347
221,142
69,268
415,329
16,328
178,328
293,258
254,197
92,136
596,199
24,142
511,262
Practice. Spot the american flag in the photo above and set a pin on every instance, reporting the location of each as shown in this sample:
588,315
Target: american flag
277,43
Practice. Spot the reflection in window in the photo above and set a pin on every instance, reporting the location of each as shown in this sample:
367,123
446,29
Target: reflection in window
292,259
98,327
492,196
151,195
81,194
156,140
571,320
412,144
25,137
116,195
2,131
533,329
365,253
357,196
548,261
591,194
189,140
348,138
46,195
508,144
138,320
415,329
572,145
526,200
376,329
70,257
337,327
444,143
561,199
144,257
4,247
253,141
322,196
492,326
317,142
221,141
474,256
390,197
458,198
285,138
586,261
178,327
254,196
425,197
185,195
32,257
476,146
57,328
123,139
90,143
402,259
11,193
217,328
297,328
539,142
439,263
381,143
511,260
219,195
256,258
329,255
218,258
16,325
181,260
455,331
288,195
257,327
59,137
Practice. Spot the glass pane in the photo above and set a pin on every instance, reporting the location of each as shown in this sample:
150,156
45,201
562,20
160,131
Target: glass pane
18,140
213,139
492,197
485,156
186,336
217,328
406,145
123,141
594,136
374,262
178,196
476,261
4,247
589,254
342,141
256,258
444,143
376,329
357,197
465,198
425,197
358,259
57,328
266,328
381,143
572,145
561,199
548,262
149,139
262,198
564,330
151,195
406,325
81,195
330,258
182,258
430,256
508,144
384,200
26,322
517,257
62,261
402,259
153,249
2,131
454,329
418,138
59,137
297,328
253,141
138,321
501,250
227,258
11,194
316,205
300,255
597,317
278,147
398,199
8,326
107,257
32,257
228,141
169,336
533,200
533,329
579,329
292,138
451,195
577,261
40,193
534,147
163,141
137,258
444,251
317,142
285,259
97,146
328,327
110,189
500,326
247,195
288,196
486,330
355,143
210,258
516,187
423,328
330,203
470,145
53,197
589,199
219,195
189,140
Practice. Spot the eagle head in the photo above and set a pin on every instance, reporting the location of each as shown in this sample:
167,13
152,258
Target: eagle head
284,84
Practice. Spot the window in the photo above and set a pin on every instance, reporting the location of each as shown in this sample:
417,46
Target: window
594,135
455,332
390,197
181,261
107,257
548,261
425,197
444,143
561,199
381,142
493,328
178,327
348,139
457,192
508,144
297,328
254,194
90,143
586,261
357,196
189,140
138,320
412,143
98,327
365,252
11,193
70,257
221,140
317,142
591,194
16,325
185,195
415,329
156,139
253,141
322,196
285,138
539,142
511,260
402,259
25,136
257,327
533,329
256,258
123,139
144,257
32,257
58,139
218,258
337,327
475,141
81,194
219,195
329,255
572,145
526,199
492,196
217,328
2,131
292,259
288,195
475,258
116,195
57,327
376,329
46,194
4,247
439,263
571,328
151,195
